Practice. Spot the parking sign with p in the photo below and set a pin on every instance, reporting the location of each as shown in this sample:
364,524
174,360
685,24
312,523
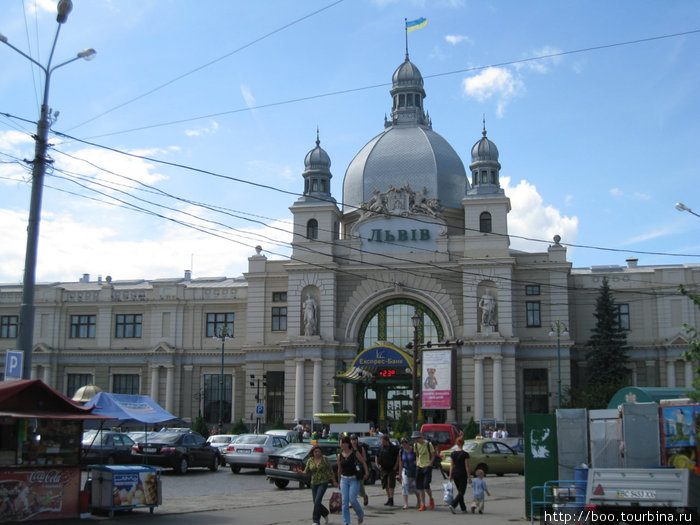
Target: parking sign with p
13,365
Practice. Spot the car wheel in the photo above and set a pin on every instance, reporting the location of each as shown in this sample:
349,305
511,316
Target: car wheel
500,474
235,469
261,469
281,483
214,464
183,465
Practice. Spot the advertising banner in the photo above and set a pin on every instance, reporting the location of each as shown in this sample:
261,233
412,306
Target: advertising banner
39,493
437,379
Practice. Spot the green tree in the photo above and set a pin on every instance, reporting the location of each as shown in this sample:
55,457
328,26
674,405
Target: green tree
200,426
402,427
607,355
693,354
471,430
278,424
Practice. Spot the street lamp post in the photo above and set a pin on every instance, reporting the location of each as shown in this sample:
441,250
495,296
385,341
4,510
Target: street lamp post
223,334
682,207
415,319
257,396
558,329
26,313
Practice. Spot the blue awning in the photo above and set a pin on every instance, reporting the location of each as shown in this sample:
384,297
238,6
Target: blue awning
129,408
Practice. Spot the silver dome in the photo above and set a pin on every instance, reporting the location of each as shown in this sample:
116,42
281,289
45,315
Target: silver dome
317,159
484,149
403,154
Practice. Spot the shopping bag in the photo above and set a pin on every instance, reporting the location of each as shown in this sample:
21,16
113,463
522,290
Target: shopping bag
335,503
447,496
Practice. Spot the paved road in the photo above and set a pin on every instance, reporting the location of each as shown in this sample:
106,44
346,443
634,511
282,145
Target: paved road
248,499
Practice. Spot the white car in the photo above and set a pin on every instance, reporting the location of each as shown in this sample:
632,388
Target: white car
252,451
221,442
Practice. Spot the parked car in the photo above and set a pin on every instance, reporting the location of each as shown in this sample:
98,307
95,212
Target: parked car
288,463
292,436
100,447
489,455
252,451
442,435
176,450
221,442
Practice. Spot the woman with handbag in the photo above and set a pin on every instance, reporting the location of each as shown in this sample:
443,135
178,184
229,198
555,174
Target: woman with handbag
407,472
353,471
321,474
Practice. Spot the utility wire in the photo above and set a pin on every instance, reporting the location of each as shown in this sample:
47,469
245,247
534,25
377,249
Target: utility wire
180,77
386,84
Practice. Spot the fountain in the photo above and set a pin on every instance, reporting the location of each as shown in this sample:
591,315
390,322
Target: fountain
334,417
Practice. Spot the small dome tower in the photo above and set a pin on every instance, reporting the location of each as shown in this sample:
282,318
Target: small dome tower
485,167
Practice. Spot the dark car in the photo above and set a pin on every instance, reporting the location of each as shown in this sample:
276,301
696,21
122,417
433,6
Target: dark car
288,464
176,450
106,447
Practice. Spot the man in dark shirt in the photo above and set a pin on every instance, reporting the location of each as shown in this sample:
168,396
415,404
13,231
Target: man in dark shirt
387,461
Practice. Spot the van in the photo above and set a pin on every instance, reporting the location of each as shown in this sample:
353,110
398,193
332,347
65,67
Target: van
292,436
442,435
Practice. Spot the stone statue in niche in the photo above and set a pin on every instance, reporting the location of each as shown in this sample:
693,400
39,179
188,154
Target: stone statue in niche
488,310
310,312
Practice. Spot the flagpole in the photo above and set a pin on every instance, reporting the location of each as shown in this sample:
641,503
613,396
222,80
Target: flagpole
405,30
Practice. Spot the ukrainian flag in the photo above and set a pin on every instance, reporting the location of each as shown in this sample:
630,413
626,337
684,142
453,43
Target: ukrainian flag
416,24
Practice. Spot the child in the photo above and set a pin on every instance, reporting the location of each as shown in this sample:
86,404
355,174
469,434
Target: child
479,486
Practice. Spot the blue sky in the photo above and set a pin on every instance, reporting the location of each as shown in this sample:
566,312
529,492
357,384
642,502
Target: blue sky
595,146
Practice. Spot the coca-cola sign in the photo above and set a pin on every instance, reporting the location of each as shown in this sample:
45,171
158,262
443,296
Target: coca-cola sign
45,476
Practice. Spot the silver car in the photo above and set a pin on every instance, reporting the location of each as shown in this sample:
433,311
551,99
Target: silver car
252,451
221,443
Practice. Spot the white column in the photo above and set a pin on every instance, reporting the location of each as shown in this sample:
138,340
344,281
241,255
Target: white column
498,387
349,398
155,382
170,388
317,387
46,373
299,391
478,388
34,372
671,373
688,368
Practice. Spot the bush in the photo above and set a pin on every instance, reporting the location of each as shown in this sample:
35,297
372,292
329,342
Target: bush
278,424
471,430
239,428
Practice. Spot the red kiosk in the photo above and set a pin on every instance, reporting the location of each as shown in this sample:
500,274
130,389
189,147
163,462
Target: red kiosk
40,437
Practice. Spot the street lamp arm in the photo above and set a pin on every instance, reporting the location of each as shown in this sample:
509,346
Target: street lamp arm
3,39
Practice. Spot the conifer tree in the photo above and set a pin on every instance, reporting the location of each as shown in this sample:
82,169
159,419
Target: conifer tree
607,355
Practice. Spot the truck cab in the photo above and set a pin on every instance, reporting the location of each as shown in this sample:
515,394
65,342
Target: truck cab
442,435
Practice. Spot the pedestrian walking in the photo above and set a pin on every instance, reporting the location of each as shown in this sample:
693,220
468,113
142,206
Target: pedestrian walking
479,486
387,461
425,455
361,450
321,475
460,473
407,472
353,471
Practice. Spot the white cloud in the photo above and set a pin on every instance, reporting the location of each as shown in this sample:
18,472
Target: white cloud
542,65
642,196
247,96
494,82
617,192
209,130
456,39
530,218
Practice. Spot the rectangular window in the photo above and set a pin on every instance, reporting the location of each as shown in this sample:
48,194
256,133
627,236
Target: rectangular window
128,326
532,289
82,326
8,326
274,409
623,316
125,384
533,313
279,318
216,323
535,398
212,395
75,381
279,297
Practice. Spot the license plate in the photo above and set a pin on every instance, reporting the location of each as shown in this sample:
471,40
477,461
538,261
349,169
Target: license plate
636,493
243,450
283,467
150,449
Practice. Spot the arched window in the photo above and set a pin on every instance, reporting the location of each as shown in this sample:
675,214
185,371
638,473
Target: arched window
312,229
485,222
391,321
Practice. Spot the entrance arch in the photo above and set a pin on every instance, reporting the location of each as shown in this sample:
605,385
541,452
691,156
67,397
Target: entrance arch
383,388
